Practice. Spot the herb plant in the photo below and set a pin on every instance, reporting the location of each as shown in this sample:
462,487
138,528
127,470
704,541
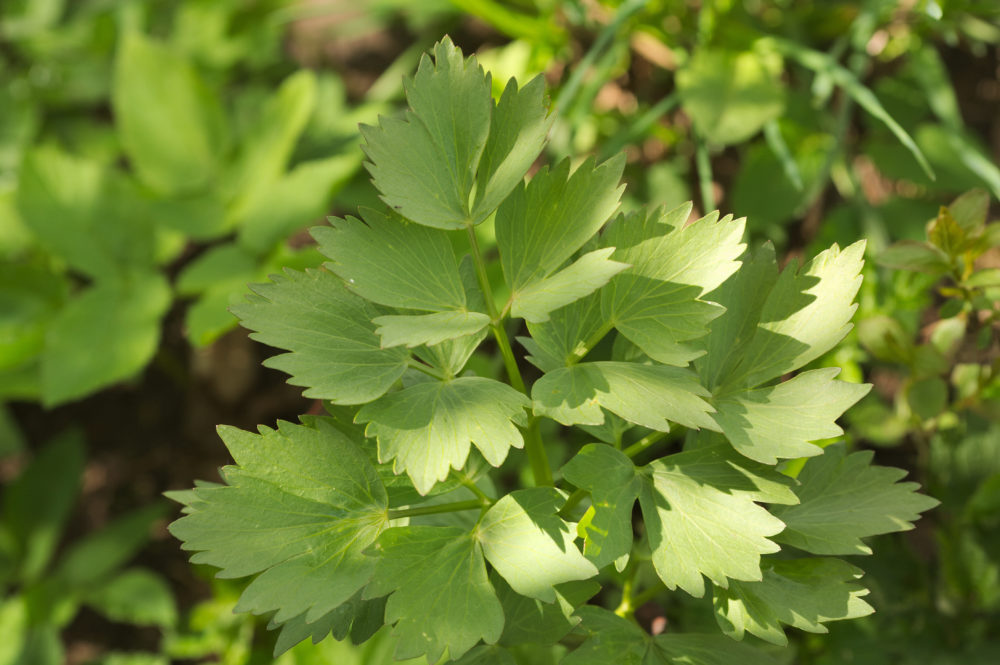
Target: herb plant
661,345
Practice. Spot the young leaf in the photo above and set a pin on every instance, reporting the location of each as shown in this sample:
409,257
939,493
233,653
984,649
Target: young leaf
425,165
393,262
427,428
802,593
614,486
781,420
699,511
298,511
335,353
646,395
530,545
517,135
543,223
441,597
844,498
806,313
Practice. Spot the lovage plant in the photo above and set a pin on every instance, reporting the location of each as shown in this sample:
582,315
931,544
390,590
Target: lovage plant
643,331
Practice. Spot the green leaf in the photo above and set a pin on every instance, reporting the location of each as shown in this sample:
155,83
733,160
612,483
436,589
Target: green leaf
657,303
424,165
268,142
87,564
731,95
971,209
844,498
428,328
441,597
30,297
138,597
742,295
806,313
393,262
532,621
611,479
542,224
782,420
517,135
562,336
87,215
294,201
298,511
584,276
120,318
802,593
37,503
699,511
426,429
170,123
917,256
530,545
612,639
356,617
487,655
334,350
646,395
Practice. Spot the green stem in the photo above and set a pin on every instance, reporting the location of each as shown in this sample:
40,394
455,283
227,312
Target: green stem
572,501
427,369
704,165
472,487
590,343
454,507
532,440
649,594
644,443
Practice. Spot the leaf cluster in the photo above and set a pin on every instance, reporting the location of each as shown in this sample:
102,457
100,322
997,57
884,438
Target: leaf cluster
641,327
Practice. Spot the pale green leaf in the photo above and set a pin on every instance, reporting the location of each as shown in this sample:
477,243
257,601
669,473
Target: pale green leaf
530,545
120,318
425,164
427,428
581,278
802,593
298,511
646,395
781,421
393,262
517,135
88,215
806,313
396,330
844,498
699,511
335,353
657,302
543,223
731,95
611,479
138,597
441,597
171,125
451,355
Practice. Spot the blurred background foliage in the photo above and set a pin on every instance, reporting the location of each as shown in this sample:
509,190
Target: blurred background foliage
158,155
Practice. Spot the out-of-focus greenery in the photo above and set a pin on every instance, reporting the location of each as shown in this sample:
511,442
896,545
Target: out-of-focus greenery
157,152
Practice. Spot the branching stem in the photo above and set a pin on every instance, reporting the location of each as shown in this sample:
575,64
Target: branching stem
453,507
427,369
532,439
590,343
